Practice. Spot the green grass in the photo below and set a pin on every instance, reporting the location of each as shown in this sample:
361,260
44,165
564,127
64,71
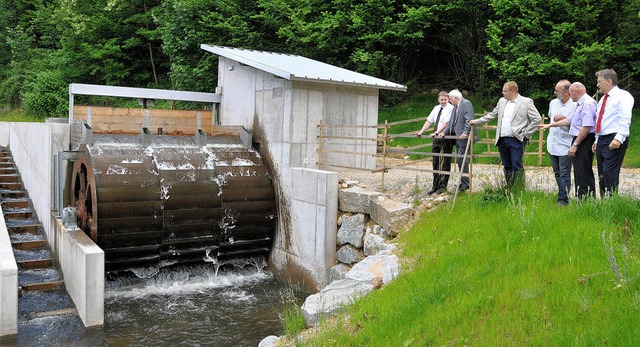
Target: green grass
516,271
421,105
17,116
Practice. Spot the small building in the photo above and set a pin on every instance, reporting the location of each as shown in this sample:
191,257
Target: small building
281,99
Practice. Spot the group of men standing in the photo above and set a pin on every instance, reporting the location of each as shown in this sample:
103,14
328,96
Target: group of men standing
600,128
580,127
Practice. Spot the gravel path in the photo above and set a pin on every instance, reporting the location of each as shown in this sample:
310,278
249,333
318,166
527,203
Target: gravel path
410,185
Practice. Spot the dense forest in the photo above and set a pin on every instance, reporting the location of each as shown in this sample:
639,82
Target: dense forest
474,45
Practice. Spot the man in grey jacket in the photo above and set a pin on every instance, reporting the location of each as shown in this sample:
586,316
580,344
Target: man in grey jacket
518,119
459,126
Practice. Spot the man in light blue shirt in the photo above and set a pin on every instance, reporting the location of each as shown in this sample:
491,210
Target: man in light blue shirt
582,121
559,140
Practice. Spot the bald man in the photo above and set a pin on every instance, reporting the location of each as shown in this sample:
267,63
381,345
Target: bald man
583,122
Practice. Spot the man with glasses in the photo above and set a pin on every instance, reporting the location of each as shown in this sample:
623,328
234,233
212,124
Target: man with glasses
559,140
518,119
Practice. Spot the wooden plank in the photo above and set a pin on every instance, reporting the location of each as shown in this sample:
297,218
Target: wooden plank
131,120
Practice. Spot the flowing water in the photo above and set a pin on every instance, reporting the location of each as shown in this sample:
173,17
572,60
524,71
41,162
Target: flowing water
185,306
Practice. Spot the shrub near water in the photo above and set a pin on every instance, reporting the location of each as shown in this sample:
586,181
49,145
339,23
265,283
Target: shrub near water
525,272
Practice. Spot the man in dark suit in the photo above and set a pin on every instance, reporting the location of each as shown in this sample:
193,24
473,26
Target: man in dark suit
459,126
518,119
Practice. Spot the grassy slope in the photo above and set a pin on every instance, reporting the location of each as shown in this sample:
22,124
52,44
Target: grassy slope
422,105
505,274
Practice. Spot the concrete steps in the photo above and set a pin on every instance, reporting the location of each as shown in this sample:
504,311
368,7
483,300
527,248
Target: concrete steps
41,288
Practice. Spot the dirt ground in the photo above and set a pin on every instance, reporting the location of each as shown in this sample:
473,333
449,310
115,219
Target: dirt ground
410,185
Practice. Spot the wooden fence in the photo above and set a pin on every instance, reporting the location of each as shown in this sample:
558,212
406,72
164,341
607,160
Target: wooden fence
386,151
114,120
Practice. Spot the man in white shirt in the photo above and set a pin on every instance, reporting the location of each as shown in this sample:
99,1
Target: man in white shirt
439,117
612,130
559,140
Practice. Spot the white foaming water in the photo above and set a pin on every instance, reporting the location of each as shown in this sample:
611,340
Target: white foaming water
184,281
117,170
242,162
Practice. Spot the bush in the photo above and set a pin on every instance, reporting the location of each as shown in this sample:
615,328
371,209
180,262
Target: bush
46,95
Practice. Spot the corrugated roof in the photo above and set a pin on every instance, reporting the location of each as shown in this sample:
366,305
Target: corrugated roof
295,67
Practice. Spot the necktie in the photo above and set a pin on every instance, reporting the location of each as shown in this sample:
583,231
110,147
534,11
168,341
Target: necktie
604,103
435,125
455,118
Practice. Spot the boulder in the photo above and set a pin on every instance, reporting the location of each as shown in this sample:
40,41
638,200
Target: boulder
375,244
356,199
332,299
382,266
352,230
269,341
338,271
392,215
348,254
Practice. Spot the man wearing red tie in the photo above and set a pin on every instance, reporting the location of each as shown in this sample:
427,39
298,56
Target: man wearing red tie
612,130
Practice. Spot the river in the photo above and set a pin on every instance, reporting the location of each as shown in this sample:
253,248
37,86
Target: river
184,306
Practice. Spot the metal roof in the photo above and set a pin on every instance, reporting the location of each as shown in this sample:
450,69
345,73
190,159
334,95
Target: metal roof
295,67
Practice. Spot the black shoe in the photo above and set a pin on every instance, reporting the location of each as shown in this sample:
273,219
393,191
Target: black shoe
440,191
432,191
462,188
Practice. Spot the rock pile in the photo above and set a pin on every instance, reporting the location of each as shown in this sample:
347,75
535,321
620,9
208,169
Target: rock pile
365,260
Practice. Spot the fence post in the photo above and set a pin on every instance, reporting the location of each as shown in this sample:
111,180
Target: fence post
472,139
384,153
541,140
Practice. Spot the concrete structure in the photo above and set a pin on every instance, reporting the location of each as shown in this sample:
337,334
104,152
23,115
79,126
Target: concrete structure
282,98
33,146
8,283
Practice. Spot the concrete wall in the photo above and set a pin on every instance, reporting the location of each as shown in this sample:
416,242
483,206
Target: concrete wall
82,263
4,133
337,105
8,283
307,247
33,146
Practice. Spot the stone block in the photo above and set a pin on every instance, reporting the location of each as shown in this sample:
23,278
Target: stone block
348,254
375,244
392,215
352,230
337,272
356,199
